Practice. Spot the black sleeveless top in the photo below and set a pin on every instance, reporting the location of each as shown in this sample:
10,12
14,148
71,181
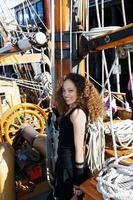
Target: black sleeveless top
66,135
66,149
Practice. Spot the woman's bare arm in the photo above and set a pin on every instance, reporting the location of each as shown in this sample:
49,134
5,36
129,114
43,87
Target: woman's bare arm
78,119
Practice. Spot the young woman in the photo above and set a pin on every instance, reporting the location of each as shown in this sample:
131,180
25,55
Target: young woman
77,99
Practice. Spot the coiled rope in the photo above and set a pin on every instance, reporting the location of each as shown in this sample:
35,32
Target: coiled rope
123,132
115,180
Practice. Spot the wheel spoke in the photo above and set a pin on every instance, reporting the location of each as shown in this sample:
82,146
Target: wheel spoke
25,115
16,126
13,131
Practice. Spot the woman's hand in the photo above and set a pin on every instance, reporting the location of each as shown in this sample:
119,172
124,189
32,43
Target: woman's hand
76,190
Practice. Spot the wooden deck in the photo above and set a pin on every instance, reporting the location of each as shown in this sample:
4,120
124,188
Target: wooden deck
90,191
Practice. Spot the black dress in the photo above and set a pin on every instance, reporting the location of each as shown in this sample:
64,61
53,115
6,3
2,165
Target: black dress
64,169
65,165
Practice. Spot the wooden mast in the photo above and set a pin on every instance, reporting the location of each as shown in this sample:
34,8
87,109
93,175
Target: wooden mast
62,66
62,23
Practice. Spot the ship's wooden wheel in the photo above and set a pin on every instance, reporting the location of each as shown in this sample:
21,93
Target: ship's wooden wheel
19,115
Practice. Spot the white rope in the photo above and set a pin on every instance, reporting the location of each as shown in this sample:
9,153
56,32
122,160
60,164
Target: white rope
25,17
103,70
16,70
108,74
28,2
102,9
116,64
11,15
95,147
31,14
22,82
113,93
52,28
97,13
28,75
110,97
108,82
87,29
42,83
123,132
116,180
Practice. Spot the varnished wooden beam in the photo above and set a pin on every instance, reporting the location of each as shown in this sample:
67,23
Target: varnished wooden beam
121,36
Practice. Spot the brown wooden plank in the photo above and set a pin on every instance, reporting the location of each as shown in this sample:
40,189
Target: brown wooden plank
19,59
90,191
120,152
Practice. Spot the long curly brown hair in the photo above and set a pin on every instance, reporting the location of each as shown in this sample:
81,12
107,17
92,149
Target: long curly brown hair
88,97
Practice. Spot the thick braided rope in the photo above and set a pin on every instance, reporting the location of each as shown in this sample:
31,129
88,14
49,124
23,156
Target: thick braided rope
116,181
123,133
96,146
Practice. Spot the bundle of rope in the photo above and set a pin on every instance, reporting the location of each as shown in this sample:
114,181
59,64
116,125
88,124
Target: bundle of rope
115,180
123,132
94,144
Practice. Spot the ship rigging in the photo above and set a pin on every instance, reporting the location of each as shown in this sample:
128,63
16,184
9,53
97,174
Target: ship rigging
38,47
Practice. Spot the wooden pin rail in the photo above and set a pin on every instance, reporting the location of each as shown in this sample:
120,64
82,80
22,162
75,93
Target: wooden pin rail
121,36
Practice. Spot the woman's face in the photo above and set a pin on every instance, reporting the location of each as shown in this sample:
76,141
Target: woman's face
69,92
